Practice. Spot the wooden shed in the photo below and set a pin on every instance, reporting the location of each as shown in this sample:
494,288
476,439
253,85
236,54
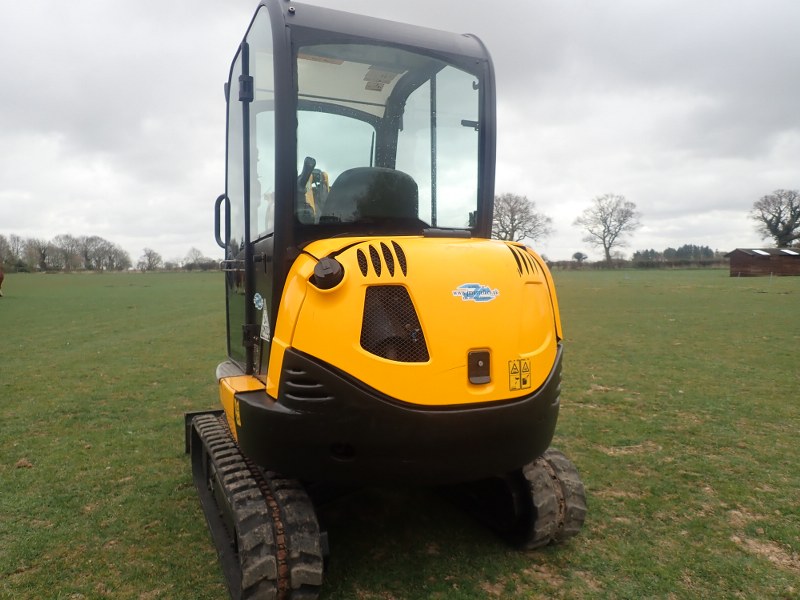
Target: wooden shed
755,262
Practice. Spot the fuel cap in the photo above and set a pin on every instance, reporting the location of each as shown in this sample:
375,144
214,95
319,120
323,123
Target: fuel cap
328,272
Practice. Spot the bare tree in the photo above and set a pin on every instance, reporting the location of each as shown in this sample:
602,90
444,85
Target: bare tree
194,257
777,216
37,252
5,251
607,220
150,260
110,257
516,218
16,246
68,249
89,248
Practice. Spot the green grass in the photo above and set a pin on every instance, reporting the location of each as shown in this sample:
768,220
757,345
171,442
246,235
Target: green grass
680,407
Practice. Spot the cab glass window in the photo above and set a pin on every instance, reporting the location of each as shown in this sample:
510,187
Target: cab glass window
385,136
262,129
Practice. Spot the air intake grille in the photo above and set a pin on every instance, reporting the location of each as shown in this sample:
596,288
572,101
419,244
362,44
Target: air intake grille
525,263
382,258
390,328
298,384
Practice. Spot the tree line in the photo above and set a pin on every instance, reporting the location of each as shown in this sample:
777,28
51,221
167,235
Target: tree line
687,252
606,222
610,218
62,253
86,253
194,260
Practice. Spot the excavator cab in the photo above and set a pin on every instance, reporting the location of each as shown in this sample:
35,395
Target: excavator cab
340,125
374,331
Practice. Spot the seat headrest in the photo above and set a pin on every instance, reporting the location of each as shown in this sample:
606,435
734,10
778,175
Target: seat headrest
372,192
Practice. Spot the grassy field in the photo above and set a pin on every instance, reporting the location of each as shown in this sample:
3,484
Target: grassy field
680,407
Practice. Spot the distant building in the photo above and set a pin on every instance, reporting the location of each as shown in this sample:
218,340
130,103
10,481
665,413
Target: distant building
755,262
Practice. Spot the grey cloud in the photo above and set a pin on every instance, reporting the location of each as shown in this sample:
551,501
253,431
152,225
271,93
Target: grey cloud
115,118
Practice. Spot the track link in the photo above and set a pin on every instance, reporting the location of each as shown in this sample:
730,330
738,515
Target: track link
263,525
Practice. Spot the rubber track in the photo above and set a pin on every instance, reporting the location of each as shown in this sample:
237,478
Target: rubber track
572,492
276,535
301,560
558,500
299,553
544,506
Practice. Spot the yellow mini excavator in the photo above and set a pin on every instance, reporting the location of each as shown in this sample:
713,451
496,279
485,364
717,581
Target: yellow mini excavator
375,332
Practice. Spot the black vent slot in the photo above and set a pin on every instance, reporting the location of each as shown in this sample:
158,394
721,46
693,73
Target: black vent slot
390,328
401,256
525,263
362,262
300,385
376,260
387,256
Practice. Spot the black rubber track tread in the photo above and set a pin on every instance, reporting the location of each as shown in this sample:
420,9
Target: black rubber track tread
298,560
302,537
254,535
573,493
542,526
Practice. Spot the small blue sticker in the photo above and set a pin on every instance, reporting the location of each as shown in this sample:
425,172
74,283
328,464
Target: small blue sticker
258,301
476,292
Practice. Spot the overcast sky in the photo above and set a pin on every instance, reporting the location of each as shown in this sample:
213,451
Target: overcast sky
112,113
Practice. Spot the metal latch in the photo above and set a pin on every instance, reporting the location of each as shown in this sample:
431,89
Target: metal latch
479,367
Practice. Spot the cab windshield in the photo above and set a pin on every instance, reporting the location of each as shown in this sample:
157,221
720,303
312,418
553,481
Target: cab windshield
385,138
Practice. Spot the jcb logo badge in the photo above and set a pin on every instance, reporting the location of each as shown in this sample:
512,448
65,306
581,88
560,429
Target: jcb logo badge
476,292
519,374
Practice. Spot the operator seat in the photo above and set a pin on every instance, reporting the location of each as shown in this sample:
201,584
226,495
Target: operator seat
371,193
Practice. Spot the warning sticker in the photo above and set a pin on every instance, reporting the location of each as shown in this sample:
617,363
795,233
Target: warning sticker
519,374
266,334
377,77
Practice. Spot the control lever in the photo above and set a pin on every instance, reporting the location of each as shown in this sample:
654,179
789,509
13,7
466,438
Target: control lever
308,166
304,212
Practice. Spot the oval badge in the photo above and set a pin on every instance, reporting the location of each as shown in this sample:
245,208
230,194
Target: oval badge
476,292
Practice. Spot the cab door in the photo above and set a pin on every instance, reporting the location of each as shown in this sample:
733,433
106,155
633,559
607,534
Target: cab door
250,199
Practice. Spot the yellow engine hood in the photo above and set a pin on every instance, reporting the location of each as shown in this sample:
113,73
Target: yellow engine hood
468,294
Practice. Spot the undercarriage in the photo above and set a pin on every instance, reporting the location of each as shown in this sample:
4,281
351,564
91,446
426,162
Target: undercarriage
269,541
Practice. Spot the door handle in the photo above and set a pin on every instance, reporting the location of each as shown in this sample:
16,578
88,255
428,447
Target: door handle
217,204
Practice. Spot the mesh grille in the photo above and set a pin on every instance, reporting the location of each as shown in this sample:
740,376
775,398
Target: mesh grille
390,328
